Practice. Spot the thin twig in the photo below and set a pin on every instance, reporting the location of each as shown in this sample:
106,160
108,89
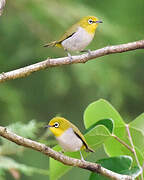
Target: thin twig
134,152
4,132
26,71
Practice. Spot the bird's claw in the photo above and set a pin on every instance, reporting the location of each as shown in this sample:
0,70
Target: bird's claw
70,57
87,51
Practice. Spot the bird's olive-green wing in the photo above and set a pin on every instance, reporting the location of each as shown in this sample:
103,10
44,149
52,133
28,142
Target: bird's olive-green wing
79,135
68,33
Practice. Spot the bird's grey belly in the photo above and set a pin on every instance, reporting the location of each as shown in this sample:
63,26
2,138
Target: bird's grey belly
78,41
69,141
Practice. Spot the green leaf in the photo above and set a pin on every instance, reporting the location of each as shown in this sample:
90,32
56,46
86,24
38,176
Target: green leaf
138,123
95,137
108,123
117,164
99,110
137,132
8,163
113,147
57,169
137,138
134,172
120,164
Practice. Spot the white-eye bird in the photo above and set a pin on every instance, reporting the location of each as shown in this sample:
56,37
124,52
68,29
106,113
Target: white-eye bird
78,36
68,135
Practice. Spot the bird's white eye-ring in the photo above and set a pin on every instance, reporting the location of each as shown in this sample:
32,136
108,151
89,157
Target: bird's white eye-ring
56,124
90,21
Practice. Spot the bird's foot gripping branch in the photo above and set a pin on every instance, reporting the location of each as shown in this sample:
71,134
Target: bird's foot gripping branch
123,143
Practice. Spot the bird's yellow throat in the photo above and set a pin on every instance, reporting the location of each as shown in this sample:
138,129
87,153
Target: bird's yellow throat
90,28
57,132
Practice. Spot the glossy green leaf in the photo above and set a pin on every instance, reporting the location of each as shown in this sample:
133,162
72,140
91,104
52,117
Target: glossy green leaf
120,164
108,123
137,132
134,172
116,164
137,138
99,110
58,169
97,136
138,123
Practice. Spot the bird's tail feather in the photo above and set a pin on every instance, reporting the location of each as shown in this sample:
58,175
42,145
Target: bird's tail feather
89,149
53,43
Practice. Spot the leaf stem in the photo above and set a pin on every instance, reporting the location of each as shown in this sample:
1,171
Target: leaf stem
123,143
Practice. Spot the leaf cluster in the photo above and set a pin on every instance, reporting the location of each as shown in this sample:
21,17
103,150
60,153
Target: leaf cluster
105,126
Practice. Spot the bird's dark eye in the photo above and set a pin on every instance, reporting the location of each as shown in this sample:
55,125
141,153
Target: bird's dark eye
90,21
56,124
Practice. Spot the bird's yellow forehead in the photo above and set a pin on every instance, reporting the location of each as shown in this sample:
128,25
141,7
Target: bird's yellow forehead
87,18
91,17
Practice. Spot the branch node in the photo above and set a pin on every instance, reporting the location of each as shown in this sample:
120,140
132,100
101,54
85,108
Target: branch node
45,148
5,129
48,62
4,76
91,168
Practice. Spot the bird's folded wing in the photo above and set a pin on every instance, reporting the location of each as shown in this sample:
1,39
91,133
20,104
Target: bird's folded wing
70,32
79,135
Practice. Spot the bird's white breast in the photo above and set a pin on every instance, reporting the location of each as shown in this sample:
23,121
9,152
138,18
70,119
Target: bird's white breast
69,141
78,41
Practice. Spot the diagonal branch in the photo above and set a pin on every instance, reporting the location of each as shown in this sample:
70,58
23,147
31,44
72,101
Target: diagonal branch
26,71
4,132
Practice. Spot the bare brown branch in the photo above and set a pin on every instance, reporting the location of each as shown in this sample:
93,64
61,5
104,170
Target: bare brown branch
4,132
26,71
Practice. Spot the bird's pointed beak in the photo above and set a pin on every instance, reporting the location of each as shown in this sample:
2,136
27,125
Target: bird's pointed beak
98,22
48,126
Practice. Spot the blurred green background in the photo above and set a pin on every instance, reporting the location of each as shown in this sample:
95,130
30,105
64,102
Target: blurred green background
67,90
